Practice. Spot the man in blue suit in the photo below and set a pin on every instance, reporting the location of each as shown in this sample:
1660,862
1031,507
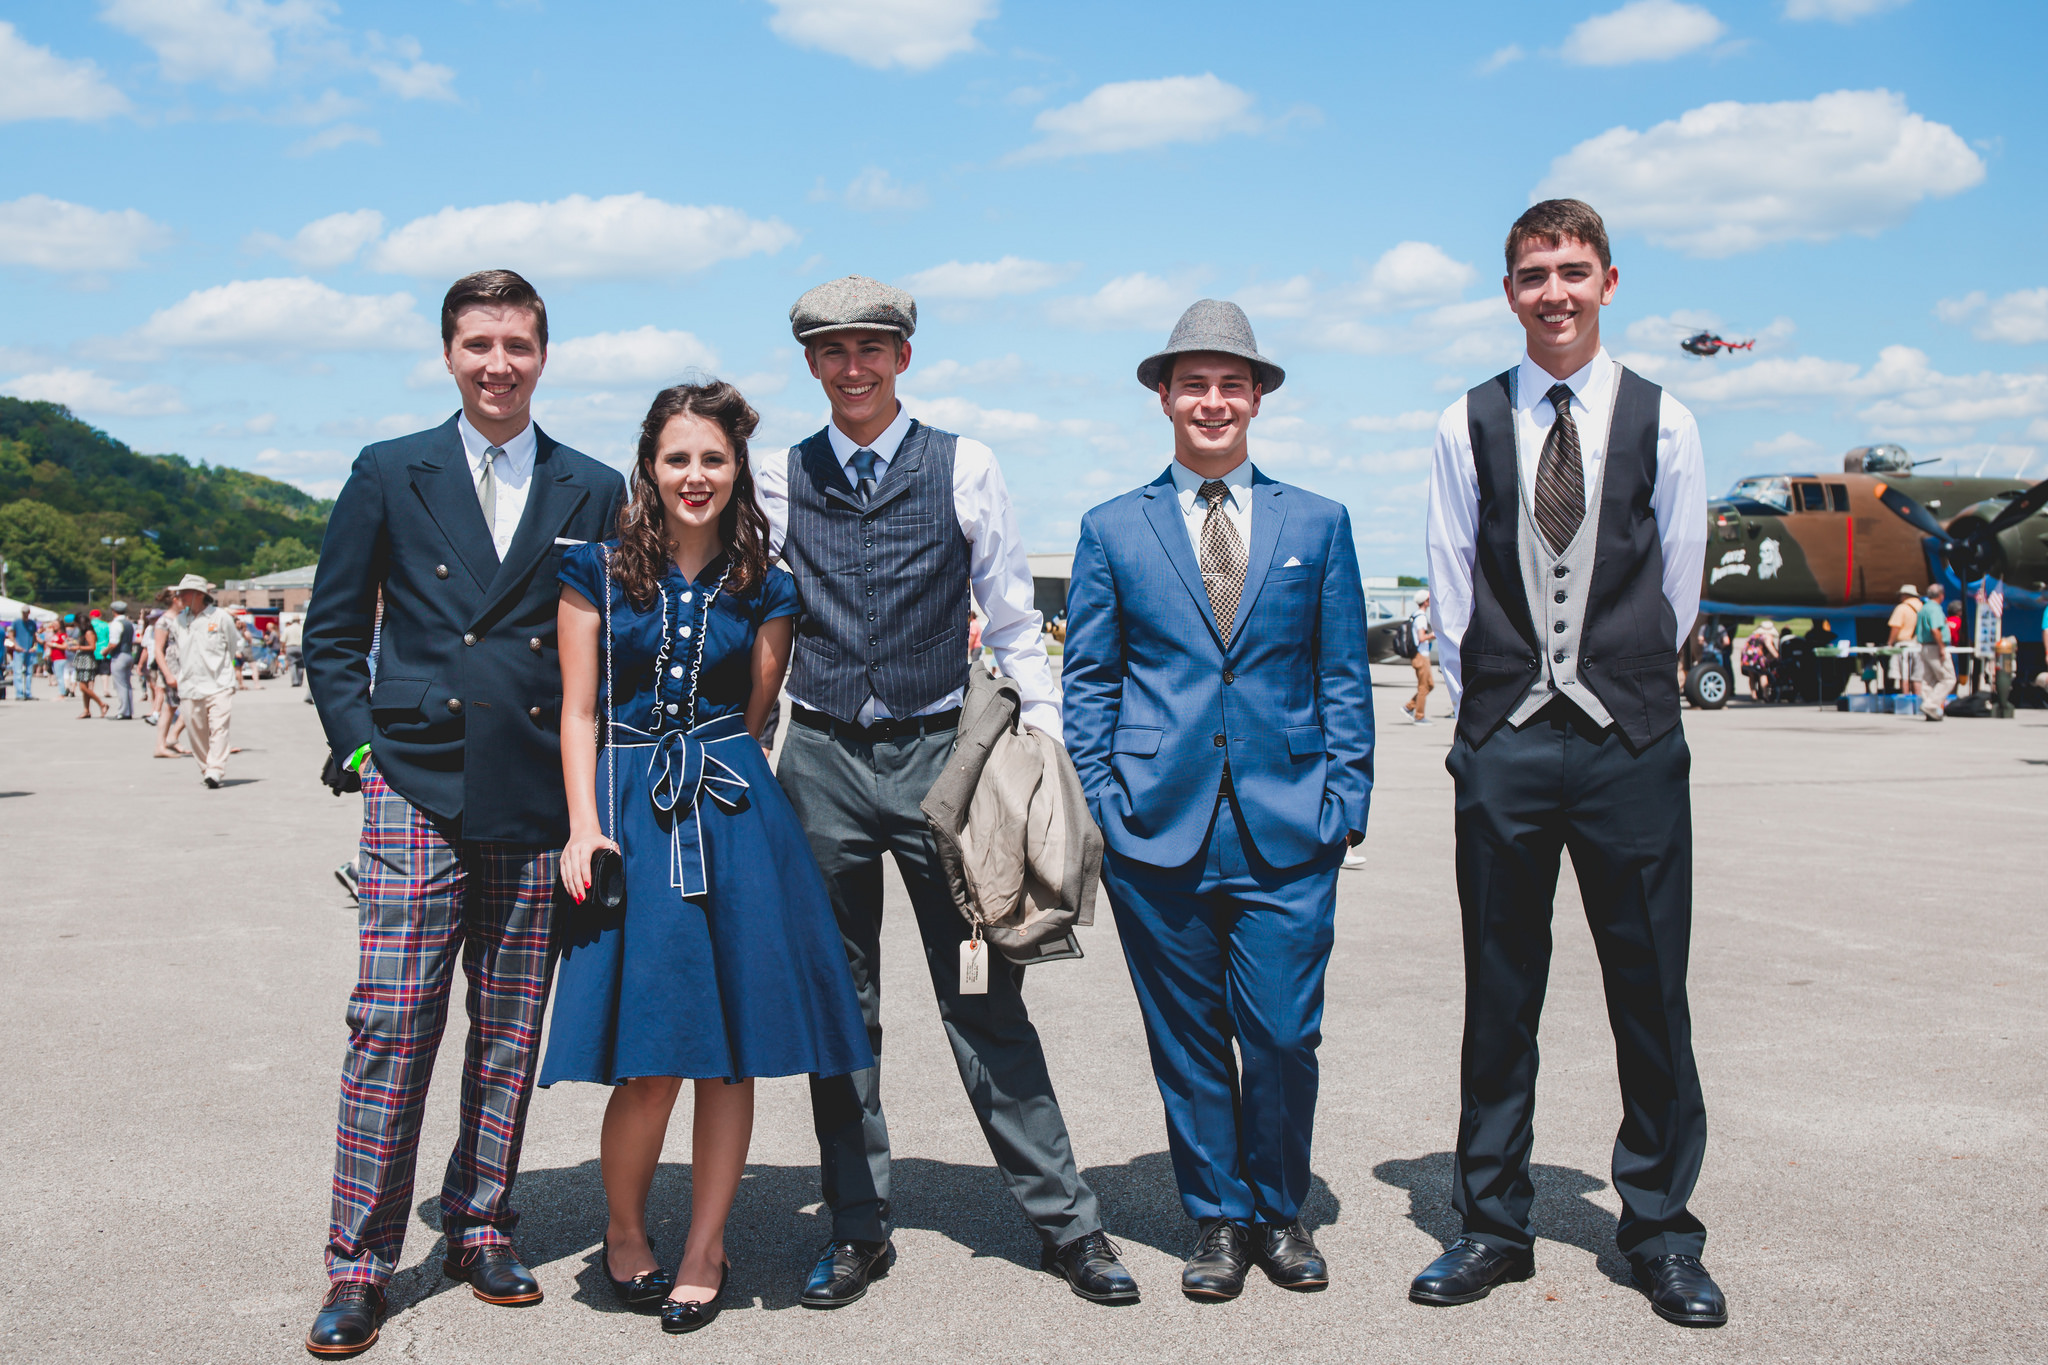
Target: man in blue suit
1219,711
454,534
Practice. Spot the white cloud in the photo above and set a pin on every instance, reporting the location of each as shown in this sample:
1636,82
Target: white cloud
1669,329
2019,318
340,135
231,43
621,236
1290,298
1731,177
644,356
410,77
972,420
1008,369
1783,446
1839,11
874,190
1505,56
1128,302
287,316
1642,31
324,242
40,231
986,279
915,34
1127,115
1421,419
36,83
319,472
1476,331
1411,274
87,392
1403,461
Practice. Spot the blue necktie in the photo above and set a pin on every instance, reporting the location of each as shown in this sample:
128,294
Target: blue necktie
864,473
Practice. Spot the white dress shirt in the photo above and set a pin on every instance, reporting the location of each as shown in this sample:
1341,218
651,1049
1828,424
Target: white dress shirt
1679,499
1195,511
514,473
996,566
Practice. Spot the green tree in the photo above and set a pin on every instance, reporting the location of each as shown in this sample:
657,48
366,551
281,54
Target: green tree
47,553
1410,581
287,553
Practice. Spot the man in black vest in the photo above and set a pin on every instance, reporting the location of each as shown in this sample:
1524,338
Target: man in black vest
1567,528
458,756
888,524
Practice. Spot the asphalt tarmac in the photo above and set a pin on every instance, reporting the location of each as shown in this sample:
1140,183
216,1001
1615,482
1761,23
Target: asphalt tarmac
1868,993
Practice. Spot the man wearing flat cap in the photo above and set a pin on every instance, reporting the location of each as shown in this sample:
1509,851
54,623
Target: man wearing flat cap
888,526
1219,712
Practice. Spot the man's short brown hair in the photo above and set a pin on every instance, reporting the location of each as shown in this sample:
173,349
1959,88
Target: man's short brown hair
492,287
1559,220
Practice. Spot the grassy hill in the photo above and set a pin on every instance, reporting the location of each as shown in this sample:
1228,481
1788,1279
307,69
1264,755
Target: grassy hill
65,484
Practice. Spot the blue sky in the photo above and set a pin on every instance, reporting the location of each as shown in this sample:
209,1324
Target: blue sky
225,225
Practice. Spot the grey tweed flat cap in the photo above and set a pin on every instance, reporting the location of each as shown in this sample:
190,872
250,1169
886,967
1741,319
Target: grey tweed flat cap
1212,325
854,304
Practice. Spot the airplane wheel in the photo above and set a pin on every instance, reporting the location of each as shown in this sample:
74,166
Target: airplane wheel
1708,686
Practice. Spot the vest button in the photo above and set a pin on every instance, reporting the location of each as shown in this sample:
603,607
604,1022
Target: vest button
468,639
874,668
871,592
1559,627
871,616
870,545
1560,594
455,706
1560,571
1228,677
1221,741
1558,657
534,644
533,713
440,571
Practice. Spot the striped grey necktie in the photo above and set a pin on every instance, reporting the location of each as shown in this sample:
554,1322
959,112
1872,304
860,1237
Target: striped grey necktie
1223,557
487,488
864,473
1560,499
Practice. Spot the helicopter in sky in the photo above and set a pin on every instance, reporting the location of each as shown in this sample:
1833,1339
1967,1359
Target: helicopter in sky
1707,344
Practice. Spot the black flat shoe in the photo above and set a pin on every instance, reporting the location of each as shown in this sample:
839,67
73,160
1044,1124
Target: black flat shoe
1217,1269
348,1322
644,1290
493,1274
843,1270
690,1316
1681,1290
1091,1269
1468,1271
1289,1257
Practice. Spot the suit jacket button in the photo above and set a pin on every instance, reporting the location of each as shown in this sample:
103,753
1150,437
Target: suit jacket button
533,712
440,571
469,639
1228,677
1221,741
455,706
534,644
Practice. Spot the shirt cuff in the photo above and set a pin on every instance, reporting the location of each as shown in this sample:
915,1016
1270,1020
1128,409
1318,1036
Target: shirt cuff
1044,717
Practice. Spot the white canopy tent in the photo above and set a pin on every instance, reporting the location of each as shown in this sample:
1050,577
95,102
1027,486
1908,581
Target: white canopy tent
10,610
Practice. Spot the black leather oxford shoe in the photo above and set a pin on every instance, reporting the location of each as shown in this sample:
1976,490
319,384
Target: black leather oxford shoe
1467,1271
493,1274
1090,1267
348,1321
843,1270
1217,1269
1681,1290
1289,1257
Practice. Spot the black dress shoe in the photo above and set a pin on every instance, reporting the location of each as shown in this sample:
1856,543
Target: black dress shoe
1289,1257
644,1290
1467,1271
1090,1267
1681,1290
689,1315
1217,1269
348,1321
493,1274
842,1273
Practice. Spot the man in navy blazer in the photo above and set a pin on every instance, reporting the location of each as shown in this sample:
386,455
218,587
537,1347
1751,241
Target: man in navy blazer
454,533
1218,709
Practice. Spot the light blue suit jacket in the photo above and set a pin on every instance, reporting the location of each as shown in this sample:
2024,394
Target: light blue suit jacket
1154,699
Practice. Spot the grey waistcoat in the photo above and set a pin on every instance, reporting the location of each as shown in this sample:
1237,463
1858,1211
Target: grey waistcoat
885,586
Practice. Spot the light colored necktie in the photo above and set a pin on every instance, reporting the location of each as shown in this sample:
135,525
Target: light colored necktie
864,471
1560,497
1223,557
487,488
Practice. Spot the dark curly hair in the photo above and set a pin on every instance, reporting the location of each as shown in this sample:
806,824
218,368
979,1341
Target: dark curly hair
644,549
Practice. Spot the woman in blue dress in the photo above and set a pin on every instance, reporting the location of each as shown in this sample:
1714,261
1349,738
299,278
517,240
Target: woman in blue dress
724,963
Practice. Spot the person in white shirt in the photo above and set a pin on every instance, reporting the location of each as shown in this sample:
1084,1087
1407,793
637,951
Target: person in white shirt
1567,534
892,529
210,645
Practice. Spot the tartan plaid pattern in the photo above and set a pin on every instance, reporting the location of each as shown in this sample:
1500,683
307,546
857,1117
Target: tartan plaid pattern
421,899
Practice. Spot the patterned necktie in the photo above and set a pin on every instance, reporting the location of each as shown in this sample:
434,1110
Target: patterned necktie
1560,480
487,488
864,473
1223,557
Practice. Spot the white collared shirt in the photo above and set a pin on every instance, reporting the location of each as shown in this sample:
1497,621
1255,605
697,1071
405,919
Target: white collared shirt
1679,498
1238,506
996,568
514,474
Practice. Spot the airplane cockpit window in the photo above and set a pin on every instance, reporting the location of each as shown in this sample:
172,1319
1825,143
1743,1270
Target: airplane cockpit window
1880,459
1774,493
1812,497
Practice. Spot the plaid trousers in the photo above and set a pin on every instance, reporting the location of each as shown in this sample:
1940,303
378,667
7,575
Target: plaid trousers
421,896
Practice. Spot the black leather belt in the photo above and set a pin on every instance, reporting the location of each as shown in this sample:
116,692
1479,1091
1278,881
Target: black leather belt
889,727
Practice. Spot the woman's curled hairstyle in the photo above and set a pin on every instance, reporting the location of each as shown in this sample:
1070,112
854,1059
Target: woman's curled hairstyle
644,549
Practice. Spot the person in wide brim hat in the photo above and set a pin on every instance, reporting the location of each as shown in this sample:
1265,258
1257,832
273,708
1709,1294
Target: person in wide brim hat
1217,327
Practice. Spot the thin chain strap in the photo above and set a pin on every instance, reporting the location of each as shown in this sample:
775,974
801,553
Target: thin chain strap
611,777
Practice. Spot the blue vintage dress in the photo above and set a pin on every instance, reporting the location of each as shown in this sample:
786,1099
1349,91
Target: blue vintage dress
726,961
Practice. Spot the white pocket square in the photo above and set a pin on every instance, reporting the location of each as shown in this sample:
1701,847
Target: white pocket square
1292,563
564,540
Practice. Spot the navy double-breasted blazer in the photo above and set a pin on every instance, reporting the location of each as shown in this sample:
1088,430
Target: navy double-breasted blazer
464,720
1155,699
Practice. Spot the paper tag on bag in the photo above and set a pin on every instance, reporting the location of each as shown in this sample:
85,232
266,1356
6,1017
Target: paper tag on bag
974,967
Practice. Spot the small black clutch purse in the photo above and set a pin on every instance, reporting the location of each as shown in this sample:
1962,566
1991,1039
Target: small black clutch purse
608,878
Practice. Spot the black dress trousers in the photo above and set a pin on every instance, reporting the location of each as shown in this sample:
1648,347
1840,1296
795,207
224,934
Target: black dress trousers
1560,782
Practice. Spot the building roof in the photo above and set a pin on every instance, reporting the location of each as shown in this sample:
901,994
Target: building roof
283,578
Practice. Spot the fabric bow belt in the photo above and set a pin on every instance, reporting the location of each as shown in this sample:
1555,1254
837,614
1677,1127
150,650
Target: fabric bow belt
683,774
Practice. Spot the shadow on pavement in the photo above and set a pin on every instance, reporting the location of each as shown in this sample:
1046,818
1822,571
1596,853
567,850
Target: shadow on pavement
1140,1203
1561,1212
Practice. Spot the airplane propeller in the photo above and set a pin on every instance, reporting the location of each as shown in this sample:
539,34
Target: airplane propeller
1974,553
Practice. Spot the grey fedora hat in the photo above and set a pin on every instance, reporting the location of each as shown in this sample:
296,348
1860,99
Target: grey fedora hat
853,304
1212,325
